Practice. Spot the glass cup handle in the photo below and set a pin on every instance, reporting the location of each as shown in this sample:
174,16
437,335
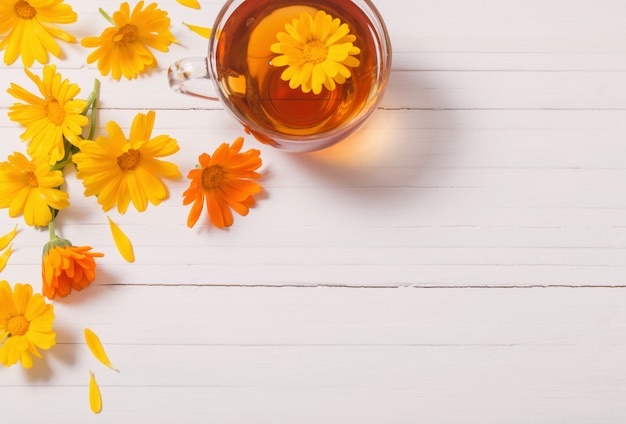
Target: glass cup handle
191,76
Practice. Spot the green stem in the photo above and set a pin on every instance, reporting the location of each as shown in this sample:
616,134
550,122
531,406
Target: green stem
53,234
62,163
92,96
106,16
91,104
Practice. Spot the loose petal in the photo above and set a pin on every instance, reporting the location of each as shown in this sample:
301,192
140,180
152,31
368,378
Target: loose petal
8,238
122,242
201,31
4,257
94,344
194,4
95,400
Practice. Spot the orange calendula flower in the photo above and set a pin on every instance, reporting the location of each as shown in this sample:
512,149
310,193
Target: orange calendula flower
50,118
30,28
317,50
66,267
124,49
31,189
120,170
223,181
25,324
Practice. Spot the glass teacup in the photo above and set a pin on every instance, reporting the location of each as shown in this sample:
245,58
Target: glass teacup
298,75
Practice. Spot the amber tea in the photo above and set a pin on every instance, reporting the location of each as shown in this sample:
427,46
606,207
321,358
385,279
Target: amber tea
299,75
252,83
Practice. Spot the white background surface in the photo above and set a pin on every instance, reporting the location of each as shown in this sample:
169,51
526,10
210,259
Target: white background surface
460,260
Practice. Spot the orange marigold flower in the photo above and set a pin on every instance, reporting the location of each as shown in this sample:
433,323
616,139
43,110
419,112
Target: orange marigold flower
67,267
223,181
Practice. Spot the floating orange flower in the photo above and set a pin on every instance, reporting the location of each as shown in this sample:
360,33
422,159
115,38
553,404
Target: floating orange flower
124,48
66,267
30,29
223,181
25,324
317,50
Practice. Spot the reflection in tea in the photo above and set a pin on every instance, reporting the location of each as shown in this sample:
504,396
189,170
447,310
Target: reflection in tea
254,87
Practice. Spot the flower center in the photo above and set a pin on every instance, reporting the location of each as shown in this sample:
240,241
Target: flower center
25,10
56,113
126,34
31,180
315,51
17,326
129,160
212,176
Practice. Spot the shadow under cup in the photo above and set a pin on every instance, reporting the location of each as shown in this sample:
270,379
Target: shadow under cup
299,76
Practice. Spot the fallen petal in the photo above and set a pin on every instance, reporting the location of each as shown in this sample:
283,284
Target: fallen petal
95,400
4,257
194,4
94,344
200,30
8,238
122,242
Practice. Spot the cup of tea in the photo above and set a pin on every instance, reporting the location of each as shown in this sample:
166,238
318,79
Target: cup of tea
299,75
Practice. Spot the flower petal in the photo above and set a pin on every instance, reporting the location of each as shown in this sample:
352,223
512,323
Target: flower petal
190,3
200,30
4,257
96,348
95,399
124,246
8,238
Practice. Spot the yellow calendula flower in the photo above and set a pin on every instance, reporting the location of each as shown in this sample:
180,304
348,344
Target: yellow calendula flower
124,49
318,52
49,118
25,324
120,170
30,188
30,29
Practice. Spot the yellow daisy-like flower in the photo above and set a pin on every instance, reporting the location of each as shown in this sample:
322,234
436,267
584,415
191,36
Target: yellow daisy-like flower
51,117
317,50
120,170
32,189
25,324
223,181
123,48
30,29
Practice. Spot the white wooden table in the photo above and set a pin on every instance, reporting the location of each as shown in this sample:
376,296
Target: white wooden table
462,259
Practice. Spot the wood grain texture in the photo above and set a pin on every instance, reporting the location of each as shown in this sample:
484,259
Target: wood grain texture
462,259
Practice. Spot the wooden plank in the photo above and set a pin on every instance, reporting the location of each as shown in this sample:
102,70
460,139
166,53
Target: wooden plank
463,355
416,89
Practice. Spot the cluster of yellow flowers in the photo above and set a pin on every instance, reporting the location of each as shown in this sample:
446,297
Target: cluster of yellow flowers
317,51
119,170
